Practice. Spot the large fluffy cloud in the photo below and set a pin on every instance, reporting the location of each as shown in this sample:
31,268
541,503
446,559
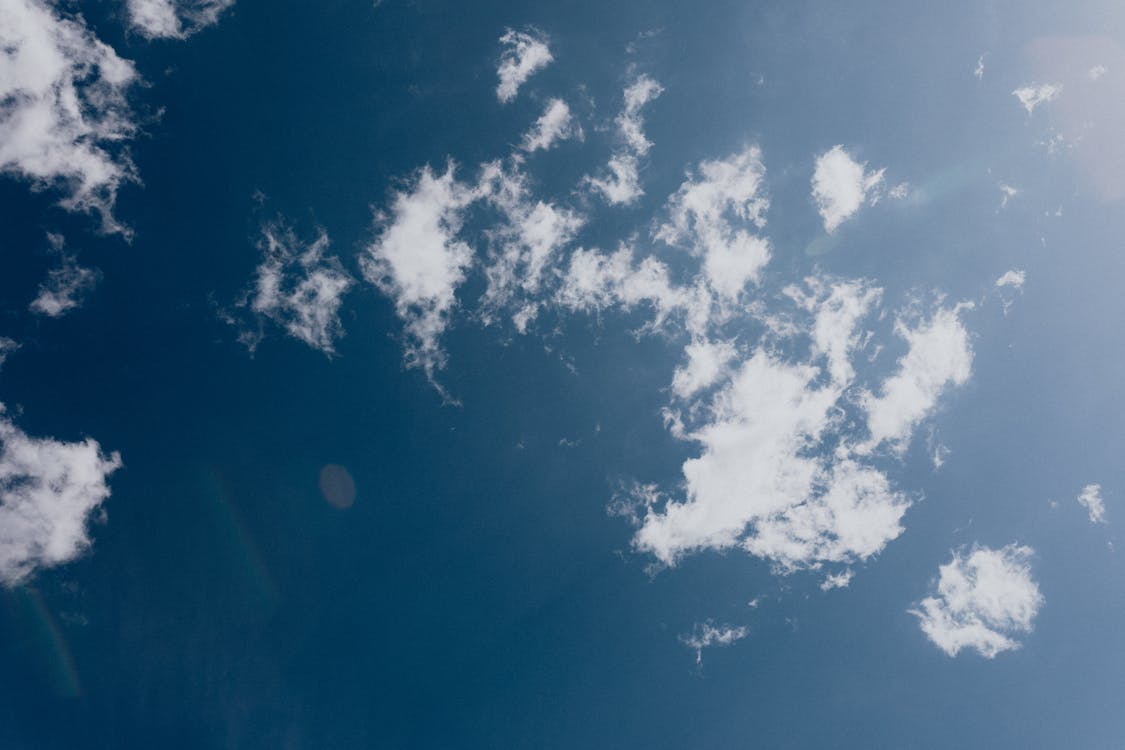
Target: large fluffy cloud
174,19
985,599
49,489
298,287
64,117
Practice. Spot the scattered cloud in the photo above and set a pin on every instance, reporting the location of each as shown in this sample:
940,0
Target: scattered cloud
939,356
985,600
7,346
1091,499
704,215
49,490
1013,278
554,125
1097,72
1035,94
297,287
174,19
1007,192
841,185
66,286
524,53
418,260
839,580
979,70
63,104
707,363
708,634
623,185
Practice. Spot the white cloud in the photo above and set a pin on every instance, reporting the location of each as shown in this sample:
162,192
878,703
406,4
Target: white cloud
63,107
1091,499
842,185
1097,72
7,346
298,288
838,311
524,53
840,580
623,185
595,281
555,124
1034,95
49,490
174,19
984,601
703,214
708,634
939,356
65,288
418,260
523,246
707,363
979,70
1013,278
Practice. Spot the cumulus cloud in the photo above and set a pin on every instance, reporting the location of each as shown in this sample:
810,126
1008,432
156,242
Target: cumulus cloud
840,580
64,114
418,260
708,634
939,355
49,490
524,53
174,19
554,125
65,288
1013,278
622,184
841,185
297,287
705,213
1091,499
1035,94
985,600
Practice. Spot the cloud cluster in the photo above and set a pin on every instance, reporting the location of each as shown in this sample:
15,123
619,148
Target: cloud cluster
174,19
985,599
49,490
298,287
64,114
1035,94
524,53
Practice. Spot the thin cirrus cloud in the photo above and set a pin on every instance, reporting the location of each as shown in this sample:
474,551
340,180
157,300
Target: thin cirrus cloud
524,53
49,490
67,118
298,287
985,600
174,19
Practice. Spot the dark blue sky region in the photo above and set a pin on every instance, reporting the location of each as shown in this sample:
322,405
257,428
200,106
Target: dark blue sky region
772,401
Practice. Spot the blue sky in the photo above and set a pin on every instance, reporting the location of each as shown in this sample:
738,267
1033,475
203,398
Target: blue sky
540,375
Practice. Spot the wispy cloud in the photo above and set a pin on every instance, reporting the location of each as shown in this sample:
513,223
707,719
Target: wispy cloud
1091,499
621,183
174,19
